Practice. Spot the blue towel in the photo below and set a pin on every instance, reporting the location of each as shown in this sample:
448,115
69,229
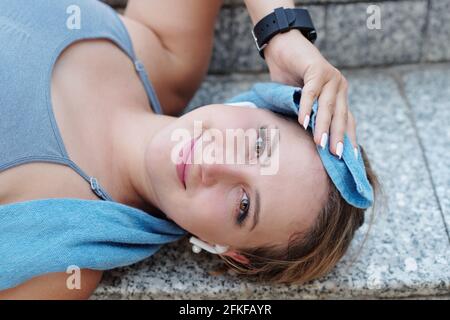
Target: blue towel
348,173
49,235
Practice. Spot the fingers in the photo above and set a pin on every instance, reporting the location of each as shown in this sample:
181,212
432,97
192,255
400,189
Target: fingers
339,121
333,116
327,103
351,129
351,133
309,93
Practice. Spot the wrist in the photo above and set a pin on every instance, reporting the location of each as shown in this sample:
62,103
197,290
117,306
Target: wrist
258,9
281,41
283,23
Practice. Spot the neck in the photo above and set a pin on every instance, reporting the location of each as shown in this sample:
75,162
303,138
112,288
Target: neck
131,134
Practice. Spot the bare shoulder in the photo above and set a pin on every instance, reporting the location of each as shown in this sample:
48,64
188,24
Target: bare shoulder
56,286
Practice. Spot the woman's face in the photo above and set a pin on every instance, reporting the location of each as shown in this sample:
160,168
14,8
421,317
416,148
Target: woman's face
226,185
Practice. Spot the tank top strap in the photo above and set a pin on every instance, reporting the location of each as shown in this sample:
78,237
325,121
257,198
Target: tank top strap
153,98
99,190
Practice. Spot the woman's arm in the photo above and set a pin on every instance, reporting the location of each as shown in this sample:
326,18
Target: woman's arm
185,29
53,286
294,60
258,9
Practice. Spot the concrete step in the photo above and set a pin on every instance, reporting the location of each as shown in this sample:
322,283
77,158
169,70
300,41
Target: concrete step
402,115
428,97
411,31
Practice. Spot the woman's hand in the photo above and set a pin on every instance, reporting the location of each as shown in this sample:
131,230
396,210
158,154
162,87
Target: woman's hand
294,60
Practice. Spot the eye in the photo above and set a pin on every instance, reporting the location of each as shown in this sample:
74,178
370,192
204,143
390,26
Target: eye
243,208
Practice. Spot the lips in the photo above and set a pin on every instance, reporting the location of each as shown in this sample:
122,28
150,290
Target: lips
184,160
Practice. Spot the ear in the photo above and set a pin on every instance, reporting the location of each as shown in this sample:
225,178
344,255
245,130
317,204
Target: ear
237,256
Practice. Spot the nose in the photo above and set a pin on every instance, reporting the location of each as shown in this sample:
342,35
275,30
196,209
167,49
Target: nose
218,172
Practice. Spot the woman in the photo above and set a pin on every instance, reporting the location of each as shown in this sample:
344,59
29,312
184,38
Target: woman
76,93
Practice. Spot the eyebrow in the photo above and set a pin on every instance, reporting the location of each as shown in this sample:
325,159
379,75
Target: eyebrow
274,142
257,196
256,210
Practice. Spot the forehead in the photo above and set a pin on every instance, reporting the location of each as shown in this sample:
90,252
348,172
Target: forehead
292,197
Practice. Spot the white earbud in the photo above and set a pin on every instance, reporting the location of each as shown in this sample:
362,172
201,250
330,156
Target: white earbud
198,245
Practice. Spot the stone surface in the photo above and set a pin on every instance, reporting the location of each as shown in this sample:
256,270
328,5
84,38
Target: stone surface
235,50
222,55
437,39
217,89
428,93
351,43
407,253
408,34
122,3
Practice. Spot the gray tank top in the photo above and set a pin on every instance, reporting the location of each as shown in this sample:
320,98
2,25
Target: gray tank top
33,34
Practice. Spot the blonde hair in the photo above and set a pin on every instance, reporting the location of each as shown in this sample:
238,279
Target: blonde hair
313,253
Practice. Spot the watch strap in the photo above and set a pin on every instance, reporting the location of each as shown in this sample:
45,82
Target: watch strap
282,20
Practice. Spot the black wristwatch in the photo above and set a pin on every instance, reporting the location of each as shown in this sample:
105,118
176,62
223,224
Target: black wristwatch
282,20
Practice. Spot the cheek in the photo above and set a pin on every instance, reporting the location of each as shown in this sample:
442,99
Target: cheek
208,214
209,207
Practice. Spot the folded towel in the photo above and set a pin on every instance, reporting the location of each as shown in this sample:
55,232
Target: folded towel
49,235
348,173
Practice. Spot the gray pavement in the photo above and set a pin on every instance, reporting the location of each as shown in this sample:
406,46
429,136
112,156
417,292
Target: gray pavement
403,117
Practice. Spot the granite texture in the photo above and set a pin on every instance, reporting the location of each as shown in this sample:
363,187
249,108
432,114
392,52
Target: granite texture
412,31
407,253
122,3
351,43
235,51
220,88
428,94
437,38
246,56
222,55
